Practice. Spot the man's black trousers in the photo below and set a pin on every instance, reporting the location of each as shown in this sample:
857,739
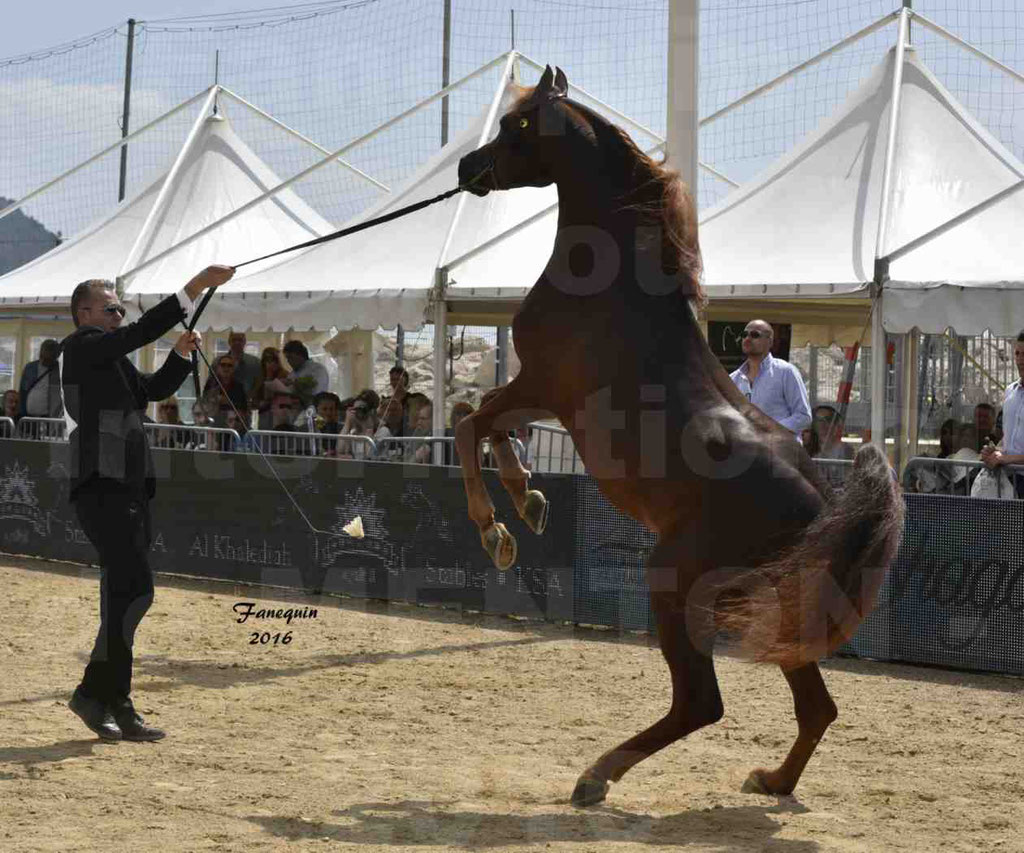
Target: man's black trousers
118,525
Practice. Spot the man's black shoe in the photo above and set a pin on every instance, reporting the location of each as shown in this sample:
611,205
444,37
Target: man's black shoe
95,715
133,727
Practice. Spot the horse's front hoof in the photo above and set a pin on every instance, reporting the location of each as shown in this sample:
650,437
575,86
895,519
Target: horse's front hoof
500,545
535,511
589,791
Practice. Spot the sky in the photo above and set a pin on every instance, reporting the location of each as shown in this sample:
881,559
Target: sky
341,73
29,27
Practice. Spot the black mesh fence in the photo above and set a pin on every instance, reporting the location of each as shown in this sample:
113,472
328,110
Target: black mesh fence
954,596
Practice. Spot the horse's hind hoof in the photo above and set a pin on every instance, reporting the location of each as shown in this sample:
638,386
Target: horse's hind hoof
535,511
754,784
500,545
762,781
589,791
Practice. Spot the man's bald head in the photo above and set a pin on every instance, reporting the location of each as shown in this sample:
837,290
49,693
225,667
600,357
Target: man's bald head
757,339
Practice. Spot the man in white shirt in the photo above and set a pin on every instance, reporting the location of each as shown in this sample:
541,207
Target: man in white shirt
302,365
773,385
1012,450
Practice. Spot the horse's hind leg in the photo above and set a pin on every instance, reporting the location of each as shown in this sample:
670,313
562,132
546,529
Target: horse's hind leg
696,702
815,710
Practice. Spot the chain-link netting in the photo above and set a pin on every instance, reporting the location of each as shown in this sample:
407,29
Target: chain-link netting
336,71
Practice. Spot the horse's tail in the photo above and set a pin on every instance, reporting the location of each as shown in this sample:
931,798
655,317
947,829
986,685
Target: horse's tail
810,600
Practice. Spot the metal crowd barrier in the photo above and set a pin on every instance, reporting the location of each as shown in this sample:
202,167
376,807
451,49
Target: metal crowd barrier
551,450
833,471
927,475
191,437
42,429
287,443
7,428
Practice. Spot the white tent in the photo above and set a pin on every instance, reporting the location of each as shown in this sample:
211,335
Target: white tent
809,226
387,274
217,174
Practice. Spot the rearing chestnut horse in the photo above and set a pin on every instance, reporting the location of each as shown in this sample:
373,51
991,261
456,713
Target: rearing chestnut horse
608,339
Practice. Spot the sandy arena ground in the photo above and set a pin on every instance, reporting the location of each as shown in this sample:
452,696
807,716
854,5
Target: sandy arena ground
403,728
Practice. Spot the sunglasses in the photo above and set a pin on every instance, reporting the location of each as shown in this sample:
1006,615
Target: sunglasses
751,333
115,309
168,408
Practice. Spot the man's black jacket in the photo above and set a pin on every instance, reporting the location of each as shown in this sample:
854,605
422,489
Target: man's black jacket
106,396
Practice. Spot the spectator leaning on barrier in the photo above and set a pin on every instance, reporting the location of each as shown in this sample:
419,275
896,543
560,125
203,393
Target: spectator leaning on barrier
459,411
12,405
247,367
359,420
771,384
284,410
420,451
328,412
1012,450
167,412
985,424
308,377
947,438
39,391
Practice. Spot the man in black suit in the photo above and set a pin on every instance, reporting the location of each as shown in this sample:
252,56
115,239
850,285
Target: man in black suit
111,476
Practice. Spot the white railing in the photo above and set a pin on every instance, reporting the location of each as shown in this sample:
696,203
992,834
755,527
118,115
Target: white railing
42,429
946,476
8,429
288,443
551,450
191,437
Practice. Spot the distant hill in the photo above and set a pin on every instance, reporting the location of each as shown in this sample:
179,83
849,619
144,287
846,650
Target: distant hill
22,239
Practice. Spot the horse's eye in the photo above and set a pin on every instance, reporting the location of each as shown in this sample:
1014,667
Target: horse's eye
524,123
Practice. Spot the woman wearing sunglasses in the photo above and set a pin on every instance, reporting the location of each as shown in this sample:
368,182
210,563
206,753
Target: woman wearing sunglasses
111,476
773,385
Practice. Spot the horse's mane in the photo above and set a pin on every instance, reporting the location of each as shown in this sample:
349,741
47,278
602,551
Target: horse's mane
656,193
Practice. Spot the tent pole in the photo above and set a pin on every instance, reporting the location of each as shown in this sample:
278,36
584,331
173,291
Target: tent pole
814,60
165,190
683,120
939,230
126,110
305,139
485,132
911,413
881,239
440,334
123,141
446,67
878,353
334,155
970,48
881,276
579,90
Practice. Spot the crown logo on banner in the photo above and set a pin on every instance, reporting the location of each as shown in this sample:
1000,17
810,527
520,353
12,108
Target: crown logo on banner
18,498
376,540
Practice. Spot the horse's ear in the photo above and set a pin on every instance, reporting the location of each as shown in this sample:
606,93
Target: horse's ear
545,86
561,88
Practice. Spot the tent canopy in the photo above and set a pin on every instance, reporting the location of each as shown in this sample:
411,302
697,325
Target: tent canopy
387,274
808,226
218,175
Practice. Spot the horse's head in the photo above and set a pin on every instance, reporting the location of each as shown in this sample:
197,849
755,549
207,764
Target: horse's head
526,143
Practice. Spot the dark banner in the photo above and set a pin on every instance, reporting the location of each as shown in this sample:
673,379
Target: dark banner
954,596
225,516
